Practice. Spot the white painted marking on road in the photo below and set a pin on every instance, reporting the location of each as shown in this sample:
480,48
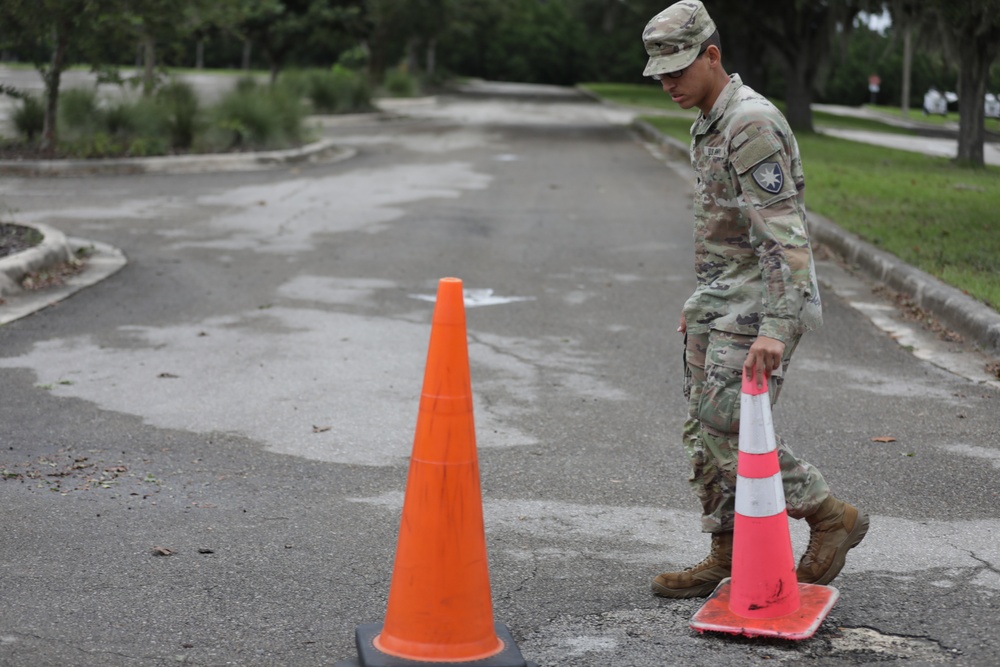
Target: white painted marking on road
475,298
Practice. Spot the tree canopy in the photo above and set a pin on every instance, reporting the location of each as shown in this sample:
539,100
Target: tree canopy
799,51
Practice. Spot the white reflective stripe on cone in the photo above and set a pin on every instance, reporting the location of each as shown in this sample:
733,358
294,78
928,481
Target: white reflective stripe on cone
759,497
756,428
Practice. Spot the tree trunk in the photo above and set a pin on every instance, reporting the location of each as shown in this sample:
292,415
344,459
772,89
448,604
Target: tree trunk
247,47
431,56
412,65
904,103
377,57
199,55
971,94
149,64
976,56
798,96
52,77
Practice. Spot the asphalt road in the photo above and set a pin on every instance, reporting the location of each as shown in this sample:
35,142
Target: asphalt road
243,395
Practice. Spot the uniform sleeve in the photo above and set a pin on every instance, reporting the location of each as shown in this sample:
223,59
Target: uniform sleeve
771,201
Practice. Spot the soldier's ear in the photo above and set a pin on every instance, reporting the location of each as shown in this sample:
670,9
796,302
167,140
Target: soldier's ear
713,54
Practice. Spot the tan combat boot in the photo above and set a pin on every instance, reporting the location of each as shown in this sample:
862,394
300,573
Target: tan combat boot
699,581
835,528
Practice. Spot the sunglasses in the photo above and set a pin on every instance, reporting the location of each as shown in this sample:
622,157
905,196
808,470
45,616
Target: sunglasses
679,73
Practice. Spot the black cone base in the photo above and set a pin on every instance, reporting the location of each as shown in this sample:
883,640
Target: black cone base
369,656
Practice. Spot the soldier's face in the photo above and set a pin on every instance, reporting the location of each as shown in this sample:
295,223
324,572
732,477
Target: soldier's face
690,88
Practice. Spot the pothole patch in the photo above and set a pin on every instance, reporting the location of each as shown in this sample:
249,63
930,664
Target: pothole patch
866,641
662,636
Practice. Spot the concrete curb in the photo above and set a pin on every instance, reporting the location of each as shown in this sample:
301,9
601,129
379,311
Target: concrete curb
102,261
53,249
976,321
326,150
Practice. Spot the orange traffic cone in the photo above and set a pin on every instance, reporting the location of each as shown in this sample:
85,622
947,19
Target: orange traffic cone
763,596
439,609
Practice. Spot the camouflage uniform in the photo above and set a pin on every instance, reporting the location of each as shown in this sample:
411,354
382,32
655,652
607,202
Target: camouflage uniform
755,277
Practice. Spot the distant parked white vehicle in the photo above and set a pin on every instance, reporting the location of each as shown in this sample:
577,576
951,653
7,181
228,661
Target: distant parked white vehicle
935,103
992,106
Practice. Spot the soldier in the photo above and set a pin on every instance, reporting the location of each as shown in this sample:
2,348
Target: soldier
756,294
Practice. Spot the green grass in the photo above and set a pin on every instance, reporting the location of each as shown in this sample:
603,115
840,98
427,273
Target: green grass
650,96
925,210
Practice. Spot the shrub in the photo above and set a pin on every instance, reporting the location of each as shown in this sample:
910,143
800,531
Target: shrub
252,116
146,147
400,83
294,82
119,118
354,59
325,91
96,145
180,112
147,117
290,113
339,90
246,83
29,117
257,118
79,113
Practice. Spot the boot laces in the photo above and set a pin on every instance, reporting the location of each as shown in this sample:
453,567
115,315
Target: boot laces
705,563
812,551
711,560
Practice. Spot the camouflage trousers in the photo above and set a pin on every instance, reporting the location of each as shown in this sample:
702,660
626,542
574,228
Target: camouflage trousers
713,363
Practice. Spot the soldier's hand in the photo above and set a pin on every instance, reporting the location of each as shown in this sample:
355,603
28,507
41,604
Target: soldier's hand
763,358
684,325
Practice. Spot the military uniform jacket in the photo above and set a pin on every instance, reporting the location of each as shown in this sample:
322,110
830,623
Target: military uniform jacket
753,262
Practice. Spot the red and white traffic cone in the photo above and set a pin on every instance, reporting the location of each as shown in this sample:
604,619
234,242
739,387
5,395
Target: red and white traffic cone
763,596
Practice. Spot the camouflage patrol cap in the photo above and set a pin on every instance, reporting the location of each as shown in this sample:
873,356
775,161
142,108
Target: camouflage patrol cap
673,36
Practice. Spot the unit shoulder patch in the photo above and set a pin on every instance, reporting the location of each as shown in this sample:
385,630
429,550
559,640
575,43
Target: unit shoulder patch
769,177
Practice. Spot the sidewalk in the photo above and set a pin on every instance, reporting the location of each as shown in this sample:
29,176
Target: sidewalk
940,146
929,145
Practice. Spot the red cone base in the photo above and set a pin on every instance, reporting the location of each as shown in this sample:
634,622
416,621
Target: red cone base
815,603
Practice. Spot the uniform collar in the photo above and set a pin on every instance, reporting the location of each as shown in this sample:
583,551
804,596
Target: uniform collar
704,122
